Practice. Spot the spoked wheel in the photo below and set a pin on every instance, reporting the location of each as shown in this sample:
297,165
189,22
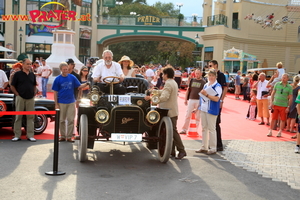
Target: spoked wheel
83,132
165,141
40,124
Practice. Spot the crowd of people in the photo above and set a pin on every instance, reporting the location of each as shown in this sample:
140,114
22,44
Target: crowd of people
204,96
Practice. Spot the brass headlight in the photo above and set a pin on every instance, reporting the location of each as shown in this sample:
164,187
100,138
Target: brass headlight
94,95
155,99
102,116
153,117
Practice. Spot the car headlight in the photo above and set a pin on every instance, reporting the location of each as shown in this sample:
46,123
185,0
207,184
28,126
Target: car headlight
153,117
85,102
102,116
155,99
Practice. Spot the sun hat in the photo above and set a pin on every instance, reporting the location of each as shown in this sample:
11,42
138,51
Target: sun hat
124,58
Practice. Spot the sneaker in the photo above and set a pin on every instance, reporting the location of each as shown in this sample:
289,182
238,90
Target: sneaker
210,152
15,139
270,133
201,151
297,149
32,139
182,132
279,134
70,140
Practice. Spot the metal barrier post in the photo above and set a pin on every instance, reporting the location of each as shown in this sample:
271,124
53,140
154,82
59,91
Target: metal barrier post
55,171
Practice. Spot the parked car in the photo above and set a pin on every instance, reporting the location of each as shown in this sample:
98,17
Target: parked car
6,64
40,121
124,118
184,83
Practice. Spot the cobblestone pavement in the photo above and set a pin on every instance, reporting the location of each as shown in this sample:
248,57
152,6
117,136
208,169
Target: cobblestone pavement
275,160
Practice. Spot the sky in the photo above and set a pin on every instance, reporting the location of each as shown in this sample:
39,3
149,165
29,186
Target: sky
189,6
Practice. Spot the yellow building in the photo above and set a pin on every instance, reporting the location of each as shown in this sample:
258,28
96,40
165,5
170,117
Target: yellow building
228,26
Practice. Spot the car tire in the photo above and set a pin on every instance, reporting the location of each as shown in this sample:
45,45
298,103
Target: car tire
40,124
165,141
83,141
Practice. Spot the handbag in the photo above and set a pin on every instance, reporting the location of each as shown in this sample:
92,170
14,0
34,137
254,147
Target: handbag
264,93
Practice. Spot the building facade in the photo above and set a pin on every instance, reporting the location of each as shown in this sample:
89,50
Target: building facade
244,25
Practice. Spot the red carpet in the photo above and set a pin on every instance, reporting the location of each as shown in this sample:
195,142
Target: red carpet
234,124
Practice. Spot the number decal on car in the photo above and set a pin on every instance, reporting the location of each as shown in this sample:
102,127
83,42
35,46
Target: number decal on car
112,98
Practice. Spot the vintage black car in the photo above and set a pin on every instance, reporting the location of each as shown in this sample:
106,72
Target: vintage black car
124,118
41,120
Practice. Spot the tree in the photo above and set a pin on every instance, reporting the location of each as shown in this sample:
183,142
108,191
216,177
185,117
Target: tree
141,52
169,50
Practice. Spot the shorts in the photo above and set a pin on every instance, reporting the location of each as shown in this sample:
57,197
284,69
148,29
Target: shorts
279,111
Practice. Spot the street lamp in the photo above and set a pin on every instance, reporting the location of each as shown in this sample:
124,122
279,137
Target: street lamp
179,16
119,3
196,52
194,15
21,35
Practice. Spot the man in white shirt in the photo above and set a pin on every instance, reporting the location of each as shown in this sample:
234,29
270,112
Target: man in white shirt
46,73
150,74
108,68
3,81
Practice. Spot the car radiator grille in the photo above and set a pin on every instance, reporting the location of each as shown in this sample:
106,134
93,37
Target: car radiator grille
127,121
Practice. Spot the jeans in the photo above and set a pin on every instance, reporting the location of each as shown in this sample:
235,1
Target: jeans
44,86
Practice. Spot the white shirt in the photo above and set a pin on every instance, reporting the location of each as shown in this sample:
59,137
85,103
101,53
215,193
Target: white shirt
149,73
102,71
46,70
3,78
261,86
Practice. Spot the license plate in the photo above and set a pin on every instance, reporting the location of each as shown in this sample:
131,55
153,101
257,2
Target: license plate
124,137
124,99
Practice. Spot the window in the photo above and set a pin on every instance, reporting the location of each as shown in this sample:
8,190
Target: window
40,48
85,47
86,9
2,7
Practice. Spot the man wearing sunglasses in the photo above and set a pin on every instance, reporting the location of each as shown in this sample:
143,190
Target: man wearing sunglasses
281,100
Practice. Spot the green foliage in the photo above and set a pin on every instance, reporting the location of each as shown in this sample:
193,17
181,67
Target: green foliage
159,9
180,16
140,52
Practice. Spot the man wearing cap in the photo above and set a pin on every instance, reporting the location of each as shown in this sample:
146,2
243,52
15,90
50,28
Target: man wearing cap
46,73
71,66
108,68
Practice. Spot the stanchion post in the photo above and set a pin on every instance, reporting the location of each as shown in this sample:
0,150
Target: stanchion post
55,171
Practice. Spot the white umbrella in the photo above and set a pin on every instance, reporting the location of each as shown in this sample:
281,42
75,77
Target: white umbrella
2,48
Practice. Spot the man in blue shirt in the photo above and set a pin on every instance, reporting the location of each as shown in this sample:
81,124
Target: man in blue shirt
64,97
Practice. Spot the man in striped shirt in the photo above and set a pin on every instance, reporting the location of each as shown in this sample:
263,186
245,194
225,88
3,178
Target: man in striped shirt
281,98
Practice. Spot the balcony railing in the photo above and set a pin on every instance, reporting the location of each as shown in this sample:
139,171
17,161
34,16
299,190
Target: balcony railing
165,21
217,20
